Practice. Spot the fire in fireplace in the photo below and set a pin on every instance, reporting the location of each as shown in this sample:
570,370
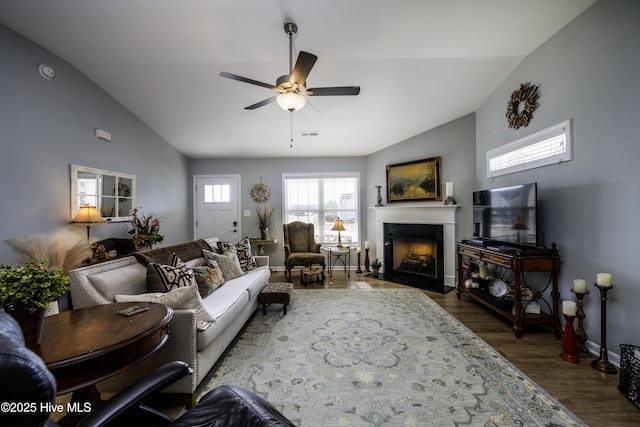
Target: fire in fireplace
413,255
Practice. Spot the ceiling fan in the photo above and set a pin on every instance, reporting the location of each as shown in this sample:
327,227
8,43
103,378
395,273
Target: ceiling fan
291,87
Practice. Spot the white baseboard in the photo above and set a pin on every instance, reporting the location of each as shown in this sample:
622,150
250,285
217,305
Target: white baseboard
594,348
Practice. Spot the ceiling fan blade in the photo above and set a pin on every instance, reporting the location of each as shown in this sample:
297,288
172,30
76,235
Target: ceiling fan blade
246,80
334,91
304,64
261,103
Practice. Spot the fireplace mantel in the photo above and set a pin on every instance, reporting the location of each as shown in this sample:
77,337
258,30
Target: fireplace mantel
421,214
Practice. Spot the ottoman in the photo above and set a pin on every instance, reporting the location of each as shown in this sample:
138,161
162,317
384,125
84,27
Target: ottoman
276,293
311,275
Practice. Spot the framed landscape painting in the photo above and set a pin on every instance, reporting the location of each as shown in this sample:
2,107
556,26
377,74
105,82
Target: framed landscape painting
413,181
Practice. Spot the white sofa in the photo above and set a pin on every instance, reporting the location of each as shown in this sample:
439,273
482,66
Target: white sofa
232,305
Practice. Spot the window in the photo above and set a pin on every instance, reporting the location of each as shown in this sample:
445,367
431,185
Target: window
319,199
549,146
217,193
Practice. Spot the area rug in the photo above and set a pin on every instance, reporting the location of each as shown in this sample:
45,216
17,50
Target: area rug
389,357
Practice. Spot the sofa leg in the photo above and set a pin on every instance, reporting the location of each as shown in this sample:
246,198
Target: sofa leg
190,400
284,309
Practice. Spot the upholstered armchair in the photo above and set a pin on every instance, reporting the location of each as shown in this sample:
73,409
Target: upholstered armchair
300,247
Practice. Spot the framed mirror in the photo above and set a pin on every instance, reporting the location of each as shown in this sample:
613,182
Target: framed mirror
112,193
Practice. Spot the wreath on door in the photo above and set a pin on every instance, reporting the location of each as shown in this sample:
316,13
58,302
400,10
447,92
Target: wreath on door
260,193
521,105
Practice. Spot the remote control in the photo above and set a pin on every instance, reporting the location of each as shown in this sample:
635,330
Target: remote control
130,311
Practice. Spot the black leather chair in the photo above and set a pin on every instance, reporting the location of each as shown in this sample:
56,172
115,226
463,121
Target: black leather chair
27,387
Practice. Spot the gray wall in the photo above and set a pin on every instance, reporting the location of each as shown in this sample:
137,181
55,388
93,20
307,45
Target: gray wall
589,72
47,125
455,143
270,171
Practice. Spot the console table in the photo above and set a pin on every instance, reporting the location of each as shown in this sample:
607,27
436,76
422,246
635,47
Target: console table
518,261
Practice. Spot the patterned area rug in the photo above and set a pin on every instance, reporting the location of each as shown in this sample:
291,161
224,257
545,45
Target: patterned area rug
389,357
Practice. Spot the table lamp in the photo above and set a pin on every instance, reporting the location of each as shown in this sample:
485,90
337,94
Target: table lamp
87,215
338,226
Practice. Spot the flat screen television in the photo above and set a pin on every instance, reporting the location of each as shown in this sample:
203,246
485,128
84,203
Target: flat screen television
506,215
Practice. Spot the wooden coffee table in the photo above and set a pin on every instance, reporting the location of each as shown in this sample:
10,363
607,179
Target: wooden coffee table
83,347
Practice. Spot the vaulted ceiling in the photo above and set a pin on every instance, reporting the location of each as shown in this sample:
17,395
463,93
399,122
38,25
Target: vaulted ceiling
419,63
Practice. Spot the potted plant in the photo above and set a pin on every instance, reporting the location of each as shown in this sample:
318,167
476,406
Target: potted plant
375,266
146,230
26,292
265,220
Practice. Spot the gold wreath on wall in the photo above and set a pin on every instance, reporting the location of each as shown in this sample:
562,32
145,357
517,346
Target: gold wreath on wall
260,193
521,105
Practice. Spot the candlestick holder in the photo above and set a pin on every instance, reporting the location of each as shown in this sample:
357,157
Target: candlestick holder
602,363
359,270
379,204
366,260
581,334
450,201
569,342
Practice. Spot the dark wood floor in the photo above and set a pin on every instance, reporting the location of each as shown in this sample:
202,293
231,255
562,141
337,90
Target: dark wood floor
589,394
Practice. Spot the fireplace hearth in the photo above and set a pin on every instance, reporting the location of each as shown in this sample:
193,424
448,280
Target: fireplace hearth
414,255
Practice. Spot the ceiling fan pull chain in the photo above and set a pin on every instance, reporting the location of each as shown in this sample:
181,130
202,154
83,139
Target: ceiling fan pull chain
291,127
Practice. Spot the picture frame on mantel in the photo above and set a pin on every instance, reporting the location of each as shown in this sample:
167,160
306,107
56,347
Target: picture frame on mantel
418,180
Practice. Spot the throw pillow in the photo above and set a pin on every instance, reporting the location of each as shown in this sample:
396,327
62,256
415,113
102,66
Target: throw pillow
243,251
229,264
154,281
172,277
184,298
208,279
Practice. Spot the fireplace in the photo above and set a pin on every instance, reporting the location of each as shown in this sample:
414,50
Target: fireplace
421,214
414,255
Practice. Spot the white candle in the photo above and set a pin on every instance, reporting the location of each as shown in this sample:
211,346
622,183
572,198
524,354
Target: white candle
603,280
579,286
366,244
358,250
569,308
449,189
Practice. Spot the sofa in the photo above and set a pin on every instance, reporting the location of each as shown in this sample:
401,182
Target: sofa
231,306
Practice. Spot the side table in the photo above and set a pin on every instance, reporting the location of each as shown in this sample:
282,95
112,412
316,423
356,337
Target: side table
336,254
85,346
260,243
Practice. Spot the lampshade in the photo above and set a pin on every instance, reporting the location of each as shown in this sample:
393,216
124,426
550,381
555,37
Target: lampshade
291,101
87,214
519,224
337,225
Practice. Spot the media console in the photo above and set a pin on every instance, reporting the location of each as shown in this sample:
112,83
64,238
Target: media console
518,261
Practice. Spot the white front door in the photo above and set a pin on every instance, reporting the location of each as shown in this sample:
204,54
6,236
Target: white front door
217,207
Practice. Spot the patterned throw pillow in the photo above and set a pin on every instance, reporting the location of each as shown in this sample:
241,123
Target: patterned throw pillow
173,276
243,251
228,263
154,281
208,279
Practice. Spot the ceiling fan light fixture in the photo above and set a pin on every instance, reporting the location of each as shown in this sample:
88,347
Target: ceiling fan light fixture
291,101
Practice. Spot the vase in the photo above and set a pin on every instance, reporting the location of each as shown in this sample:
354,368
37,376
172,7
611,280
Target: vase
30,323
264,233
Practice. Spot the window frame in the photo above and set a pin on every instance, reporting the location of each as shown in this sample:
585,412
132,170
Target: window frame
353,228
563,128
